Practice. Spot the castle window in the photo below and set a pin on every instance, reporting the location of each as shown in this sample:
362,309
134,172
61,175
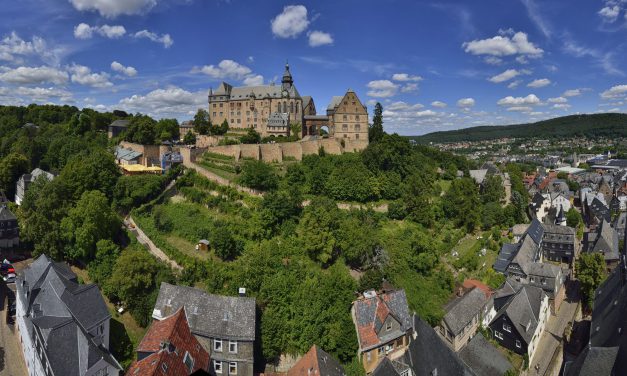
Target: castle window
214,105
356,137
296,109
345,127
356,117
214,113
278,107
357,127
220,105
345,117
291,107
284,106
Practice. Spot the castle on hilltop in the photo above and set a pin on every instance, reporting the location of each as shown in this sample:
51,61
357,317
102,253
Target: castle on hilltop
271,109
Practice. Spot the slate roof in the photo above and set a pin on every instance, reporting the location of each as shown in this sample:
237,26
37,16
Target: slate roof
523,310
527,252
599,210
6,214
120,123
126,154
461,311
520,229
167,341
227,317
335,101
428,353
608,314
371,313
483,358
316,362
62,312
536,231
389,367
306,100
606,242
542,269
593,361
478,175
506,254
258,92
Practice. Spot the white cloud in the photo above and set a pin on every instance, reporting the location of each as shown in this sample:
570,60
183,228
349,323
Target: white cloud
617,91
128,71
319,38
169,101
382,88
409,88
83,75
503,46
522,59
426,113
224,70
514,84
561,106
33,75
404,77
530,99
438,104
505,76
291,22
253,80
557,100
37,93
12,46
164,39
493,60
541,82
609,13
402,106
465,102
520,109
114,8
84,31
572,93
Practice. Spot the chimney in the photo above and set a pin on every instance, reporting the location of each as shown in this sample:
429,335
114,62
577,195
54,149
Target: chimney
460,291
242,291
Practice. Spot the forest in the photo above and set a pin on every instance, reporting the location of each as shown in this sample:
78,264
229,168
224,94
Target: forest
591,126
294,250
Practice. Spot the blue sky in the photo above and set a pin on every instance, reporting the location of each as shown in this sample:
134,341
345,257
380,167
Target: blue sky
434,65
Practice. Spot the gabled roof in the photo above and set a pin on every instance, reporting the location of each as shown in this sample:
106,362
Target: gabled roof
388,367
608,314
228,317
523,310
316,362
62,312
463,309
599,210
428,353
167,341
335,101
536,231
506,254
371,313
478,175
593,361
606,241
121,123
527,252
483,358
6,214
542,269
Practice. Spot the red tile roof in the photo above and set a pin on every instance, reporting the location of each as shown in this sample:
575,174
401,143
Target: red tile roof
472,283
316,362
168,360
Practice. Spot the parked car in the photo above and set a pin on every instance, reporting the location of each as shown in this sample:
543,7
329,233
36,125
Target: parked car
9,278
6,268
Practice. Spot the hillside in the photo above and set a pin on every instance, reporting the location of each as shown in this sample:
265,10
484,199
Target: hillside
595,125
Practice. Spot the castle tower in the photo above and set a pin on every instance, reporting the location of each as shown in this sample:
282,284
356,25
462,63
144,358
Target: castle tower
287,81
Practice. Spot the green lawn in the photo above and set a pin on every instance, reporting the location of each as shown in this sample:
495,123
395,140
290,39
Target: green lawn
444,184
186,247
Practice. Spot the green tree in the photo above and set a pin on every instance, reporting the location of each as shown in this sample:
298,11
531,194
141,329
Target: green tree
222,241
461,203
201,122
190,138
258,175
142,129
417,199
251,137
102,266
279,207
11,168
88,222
573,218
316,229
95,170
493,190
591,272
375,131
167,129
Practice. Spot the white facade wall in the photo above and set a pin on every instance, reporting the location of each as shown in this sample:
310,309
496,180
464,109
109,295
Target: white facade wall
33,363
544,315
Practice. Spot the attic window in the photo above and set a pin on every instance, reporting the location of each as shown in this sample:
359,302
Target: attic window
388,326
164,367
189,362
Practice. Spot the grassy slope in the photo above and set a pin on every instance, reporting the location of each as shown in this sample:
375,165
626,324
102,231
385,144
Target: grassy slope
574,125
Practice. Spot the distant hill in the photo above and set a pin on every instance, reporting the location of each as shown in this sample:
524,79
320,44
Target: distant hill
594,125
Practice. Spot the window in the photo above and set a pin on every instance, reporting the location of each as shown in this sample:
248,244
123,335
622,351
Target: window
543,280
357,127
498,334
217,366
164,367
217,345
345,117
388,326
356,117
388,348
381,350
233,347
221,113
189,362
507,328
517,343
292,107
232,368
345,127
101,372
214,113
356,137
220,105
368,356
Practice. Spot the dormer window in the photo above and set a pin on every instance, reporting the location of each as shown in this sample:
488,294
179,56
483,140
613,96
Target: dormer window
217,345
388,326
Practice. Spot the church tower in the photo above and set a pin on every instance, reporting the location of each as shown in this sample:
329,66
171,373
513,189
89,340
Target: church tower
287,81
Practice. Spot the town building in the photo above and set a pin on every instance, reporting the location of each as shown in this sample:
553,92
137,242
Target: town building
605,241
117,127
520,321
224,325
9,228
559,243
170,348
316,362
384,326
26,180
63,325
185,127
463,316
483,358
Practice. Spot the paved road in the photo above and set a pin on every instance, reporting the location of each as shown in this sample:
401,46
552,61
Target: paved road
552,336
142,238
11,356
